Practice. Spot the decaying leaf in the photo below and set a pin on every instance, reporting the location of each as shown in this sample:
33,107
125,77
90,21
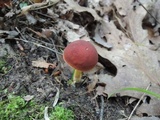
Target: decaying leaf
43,64
11,34
151,108
72,36
135,66
28,97
40,90
100,40
92,85
134,23
31,19
10,14
153,16
100,90
143,118
75,6
122,6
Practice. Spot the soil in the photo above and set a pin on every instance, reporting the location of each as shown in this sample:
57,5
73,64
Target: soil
25,79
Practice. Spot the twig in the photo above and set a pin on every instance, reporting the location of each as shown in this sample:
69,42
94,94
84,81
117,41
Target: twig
56,97
102,107
55,49
39,45
46,114
138,103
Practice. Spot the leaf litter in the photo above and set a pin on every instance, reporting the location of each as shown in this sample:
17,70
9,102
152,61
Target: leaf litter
124,34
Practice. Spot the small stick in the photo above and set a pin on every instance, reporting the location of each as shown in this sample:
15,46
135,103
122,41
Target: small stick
39,45
46,113
102,107
138,103
55,49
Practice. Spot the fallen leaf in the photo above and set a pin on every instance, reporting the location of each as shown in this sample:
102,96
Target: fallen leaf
134,65
151,108
122,6
72,36
10,14
75,6
92,85
40,90
134,23
100,39
31,19
28,97
42,64
143,118
11,34
47,33
100,90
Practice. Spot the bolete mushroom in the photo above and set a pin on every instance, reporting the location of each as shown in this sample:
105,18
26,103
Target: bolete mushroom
82,56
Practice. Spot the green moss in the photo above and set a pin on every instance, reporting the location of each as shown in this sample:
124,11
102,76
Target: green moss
3,66
16,108
61,113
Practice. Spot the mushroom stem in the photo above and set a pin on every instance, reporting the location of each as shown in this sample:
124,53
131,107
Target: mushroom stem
77,74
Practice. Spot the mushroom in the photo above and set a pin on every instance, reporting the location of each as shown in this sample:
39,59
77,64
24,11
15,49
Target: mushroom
82,56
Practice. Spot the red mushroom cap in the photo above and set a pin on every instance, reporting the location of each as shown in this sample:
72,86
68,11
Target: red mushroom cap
81,55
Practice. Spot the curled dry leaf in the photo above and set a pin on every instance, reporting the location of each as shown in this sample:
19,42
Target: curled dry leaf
151,108
31,19
75,6
92,85
143,118
11,34
10,14
43,64
46,32
72,31
121,6
100,90
100,39
72,36
28,97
